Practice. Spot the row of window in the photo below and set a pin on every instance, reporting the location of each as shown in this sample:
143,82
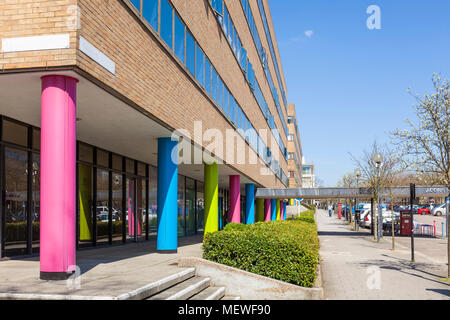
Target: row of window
177,36
272,51
241,55
263,56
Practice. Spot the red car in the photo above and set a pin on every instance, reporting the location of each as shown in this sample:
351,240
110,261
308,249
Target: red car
424,210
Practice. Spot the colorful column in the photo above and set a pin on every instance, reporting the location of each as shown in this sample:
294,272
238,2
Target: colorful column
267,210
211,215
167,199
284,210
235,199
278,218
58,177
273,210
249,203
281,210
259,210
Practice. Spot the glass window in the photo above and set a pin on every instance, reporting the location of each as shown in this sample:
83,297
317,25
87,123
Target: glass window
15,133
103,158
133,202
36,194
86,222
214,84
152,202
16,205
142,169
85,153
117,194
190,207
220,92
208,86
141,203
150,12
166,22
226,101
199,65
137,4
130,166
218,5
179,38
225,20
200,206
181,212
102,207
36,139
117,162
190,53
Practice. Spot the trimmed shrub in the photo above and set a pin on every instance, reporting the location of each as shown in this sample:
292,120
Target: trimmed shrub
307,216
282,250
235,227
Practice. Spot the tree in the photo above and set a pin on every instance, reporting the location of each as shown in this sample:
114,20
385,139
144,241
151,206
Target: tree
373,178
425,146
348,181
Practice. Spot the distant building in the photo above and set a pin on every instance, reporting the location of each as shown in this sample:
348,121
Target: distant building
308,176
294,147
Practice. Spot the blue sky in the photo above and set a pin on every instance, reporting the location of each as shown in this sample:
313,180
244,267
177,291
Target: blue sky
350,83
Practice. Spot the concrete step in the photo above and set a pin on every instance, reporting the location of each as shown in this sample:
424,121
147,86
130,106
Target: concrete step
183,290
157,287
211,293
230,298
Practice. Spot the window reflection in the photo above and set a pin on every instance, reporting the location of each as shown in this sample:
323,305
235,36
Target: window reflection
16,179
85,205
102,208
117,192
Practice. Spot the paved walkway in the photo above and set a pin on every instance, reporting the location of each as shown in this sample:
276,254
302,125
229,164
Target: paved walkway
354,267
105,272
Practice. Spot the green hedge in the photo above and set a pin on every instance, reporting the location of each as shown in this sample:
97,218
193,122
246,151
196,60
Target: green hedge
282,250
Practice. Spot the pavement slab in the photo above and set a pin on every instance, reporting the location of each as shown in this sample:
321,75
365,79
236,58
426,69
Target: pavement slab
356,267
105,272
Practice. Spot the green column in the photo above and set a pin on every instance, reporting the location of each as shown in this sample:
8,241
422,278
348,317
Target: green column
278,210
211,198
259,210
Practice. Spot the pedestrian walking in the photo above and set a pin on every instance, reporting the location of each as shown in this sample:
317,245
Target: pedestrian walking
330,210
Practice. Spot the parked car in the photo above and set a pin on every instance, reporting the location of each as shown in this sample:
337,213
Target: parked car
440,210
365,219
103,214
424,210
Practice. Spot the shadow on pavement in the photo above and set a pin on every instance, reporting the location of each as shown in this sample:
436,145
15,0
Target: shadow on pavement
343,234
407,267
89,258
441,291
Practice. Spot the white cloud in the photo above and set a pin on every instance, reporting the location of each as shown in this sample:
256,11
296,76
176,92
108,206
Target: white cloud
309,33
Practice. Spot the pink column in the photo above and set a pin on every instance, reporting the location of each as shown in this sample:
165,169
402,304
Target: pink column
235,199
58,175
267,210
281,210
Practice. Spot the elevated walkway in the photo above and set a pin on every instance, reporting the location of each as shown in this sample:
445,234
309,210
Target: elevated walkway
348,193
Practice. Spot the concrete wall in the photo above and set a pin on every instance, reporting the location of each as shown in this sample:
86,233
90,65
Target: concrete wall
250,286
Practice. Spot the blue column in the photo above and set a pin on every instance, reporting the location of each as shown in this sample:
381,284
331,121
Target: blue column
220,213
167,238
273,208
249,203
285,208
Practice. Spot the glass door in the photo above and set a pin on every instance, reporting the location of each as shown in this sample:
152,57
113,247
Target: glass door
133,219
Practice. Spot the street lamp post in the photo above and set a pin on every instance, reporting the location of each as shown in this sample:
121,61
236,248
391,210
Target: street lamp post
378,159
358,176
